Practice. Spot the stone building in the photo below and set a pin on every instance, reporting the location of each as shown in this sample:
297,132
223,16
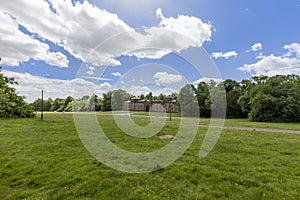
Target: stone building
136,104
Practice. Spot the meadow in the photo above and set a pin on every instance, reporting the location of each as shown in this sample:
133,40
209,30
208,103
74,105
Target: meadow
46,160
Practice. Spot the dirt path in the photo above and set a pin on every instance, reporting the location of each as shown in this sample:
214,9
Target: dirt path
273,130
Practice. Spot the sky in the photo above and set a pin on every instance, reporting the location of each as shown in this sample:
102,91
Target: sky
76,48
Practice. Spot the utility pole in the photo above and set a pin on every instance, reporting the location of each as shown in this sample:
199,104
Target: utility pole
42,113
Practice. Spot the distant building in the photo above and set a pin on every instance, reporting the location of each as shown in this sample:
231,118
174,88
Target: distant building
136,104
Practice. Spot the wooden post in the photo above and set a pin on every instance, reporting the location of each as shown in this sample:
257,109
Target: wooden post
170,111
42,111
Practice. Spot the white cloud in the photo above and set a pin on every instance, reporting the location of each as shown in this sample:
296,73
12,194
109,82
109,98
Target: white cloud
293,48
137,90
134,9
104,86
17,47
31,86
257,46
208,80
225,55
189,26
95,78
80,27
164,77
117,74
272,65
91,70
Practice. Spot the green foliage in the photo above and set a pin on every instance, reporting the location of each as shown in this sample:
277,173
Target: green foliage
37,104
118,97
262,99
106,101
202,93
11,104
159,97
273,98
69,104
233,92
188,101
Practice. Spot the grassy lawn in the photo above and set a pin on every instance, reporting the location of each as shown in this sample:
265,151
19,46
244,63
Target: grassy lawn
46,160
239,122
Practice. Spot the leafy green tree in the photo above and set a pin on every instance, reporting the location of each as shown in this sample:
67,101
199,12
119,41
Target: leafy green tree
37,104
149,96
118,98
94,103
202,93
68,100
58,105
11,104
188,101
159,97
216,100
106,101
274,98
142,97
78,106
233,91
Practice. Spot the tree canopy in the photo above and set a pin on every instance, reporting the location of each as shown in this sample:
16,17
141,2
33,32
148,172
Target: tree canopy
11,104
260,98
274,98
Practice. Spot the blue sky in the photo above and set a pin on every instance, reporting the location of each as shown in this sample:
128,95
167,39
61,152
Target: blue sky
47,44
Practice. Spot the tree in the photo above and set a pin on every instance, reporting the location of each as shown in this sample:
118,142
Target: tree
274,98
37,104
94,103
11,104
118,98
233,91
106,101
188,101
142,97
202,94
159,97
216,100
149,96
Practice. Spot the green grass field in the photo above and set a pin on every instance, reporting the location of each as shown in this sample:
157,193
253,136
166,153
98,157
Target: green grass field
46,160
239,122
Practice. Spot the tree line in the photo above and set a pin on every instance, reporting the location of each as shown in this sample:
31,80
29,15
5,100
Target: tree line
260,98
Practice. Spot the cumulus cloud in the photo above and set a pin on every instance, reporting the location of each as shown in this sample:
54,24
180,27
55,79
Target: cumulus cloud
164,77
117,74
17,47
137,90
293,48
190,26
225,55
31,86
273,65
257,46
77,28
105,86
80,27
